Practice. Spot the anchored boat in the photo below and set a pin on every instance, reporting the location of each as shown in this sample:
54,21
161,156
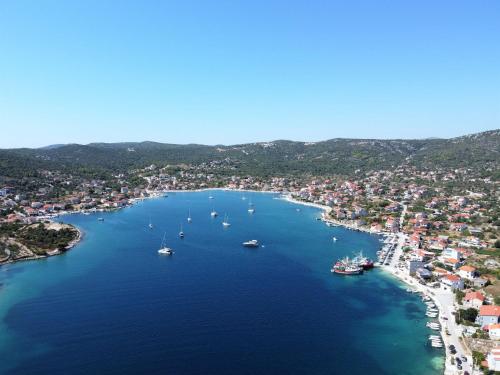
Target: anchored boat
164,250
251,243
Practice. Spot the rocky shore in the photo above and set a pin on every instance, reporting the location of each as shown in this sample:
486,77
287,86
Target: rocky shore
26,253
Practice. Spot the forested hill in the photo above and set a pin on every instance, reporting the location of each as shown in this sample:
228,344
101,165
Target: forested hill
335,156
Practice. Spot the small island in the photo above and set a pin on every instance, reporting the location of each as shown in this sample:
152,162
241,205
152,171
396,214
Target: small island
23,242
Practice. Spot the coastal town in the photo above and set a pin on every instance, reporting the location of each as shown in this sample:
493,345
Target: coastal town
440,228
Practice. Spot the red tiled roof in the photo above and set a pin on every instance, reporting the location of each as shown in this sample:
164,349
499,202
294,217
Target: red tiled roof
489,310
474,295
452,277
467,268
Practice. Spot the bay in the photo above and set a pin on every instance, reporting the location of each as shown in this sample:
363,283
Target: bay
112,305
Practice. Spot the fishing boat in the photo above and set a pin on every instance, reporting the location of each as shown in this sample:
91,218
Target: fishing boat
346,266
361,261
226,222
251,243
164,250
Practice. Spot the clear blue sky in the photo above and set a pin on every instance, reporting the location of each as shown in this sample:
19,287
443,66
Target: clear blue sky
240,71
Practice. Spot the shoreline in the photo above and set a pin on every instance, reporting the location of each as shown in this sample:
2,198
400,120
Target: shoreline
423,290
218,189
413,284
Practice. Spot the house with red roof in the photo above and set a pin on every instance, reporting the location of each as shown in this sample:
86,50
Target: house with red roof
488,314
453,281
473,299
494,331
453,263
467,272
437,271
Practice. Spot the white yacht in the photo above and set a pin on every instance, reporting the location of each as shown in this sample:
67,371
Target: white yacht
251,243
226,222
334,239
181,233
164,250
213,213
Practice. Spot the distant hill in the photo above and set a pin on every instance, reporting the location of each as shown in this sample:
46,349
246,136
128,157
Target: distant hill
334,156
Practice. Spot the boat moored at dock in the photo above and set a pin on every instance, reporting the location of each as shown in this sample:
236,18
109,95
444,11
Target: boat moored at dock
361,261
346,266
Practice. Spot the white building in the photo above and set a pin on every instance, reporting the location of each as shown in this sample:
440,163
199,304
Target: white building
451,253
467,272
494,360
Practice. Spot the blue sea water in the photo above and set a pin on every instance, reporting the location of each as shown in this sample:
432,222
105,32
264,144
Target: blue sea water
112,305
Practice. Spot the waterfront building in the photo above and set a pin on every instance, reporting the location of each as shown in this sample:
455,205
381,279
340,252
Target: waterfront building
453,281
473,299
488,314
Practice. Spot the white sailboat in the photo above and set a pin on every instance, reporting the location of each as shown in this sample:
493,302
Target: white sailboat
164,250
150,223
189,217
213,213
226,222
